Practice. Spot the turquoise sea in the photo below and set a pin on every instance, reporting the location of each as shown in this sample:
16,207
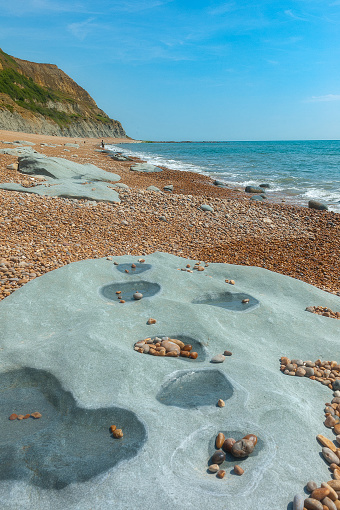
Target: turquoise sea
296,171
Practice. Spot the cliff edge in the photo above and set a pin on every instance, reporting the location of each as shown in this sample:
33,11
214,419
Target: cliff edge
41,98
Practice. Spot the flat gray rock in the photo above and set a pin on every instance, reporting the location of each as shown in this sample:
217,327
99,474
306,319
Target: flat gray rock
24,142
67,351
66,179
153,188
74,145
145,167
19,151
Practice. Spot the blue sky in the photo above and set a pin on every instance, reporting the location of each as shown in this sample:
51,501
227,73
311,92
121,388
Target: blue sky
192,70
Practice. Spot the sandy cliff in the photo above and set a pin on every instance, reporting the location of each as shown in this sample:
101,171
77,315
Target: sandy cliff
41,98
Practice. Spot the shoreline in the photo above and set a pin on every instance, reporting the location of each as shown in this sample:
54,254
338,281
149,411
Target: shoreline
43,233
272,195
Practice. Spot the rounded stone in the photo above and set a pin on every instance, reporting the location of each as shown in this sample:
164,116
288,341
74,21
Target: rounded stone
13,417
311,486
298,502
218,358
330,422
221,473
309,371
36,415
227,353
336,429
330,456
170,346
313,504
321,493
300,372
214,468
220,440
218,457
328,503
228,444
137,295
242,448
336,385
238,470
251,437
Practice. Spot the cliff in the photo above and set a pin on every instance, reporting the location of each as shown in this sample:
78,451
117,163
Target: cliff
41,98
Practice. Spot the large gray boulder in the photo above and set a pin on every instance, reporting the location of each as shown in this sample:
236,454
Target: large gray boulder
66,179
67,350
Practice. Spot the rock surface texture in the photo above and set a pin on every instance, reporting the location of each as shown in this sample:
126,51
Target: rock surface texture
76,346
66,178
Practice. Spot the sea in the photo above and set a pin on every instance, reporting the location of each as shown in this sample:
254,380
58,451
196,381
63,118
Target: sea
296,171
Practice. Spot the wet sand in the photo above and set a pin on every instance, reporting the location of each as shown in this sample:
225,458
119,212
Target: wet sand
39,234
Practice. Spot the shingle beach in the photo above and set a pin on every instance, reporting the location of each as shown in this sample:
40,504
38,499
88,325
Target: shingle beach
39,234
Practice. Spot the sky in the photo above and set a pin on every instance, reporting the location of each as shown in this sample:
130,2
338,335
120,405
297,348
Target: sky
192,70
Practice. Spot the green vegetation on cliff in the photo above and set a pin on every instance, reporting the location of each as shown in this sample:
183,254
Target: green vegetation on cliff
46,90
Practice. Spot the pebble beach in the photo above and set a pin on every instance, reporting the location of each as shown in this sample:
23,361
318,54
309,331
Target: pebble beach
40,234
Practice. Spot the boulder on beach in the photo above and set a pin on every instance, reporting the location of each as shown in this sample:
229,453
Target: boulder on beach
320,206
252,189
68,352
145,167
66,179
153,188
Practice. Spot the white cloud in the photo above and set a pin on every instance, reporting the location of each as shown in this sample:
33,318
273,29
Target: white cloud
82,29
320,99
222,9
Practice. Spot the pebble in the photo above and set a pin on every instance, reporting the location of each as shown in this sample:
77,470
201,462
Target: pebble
301,372
311,486
337,393
221,473
298,502
321,493
328,503
332,495
214,468
20,416
117,433
313,504
219,440
336,429
113,428
238,470
27,416
221,403
13,417
137,295
228,444
252,438
245,300
309,371
218,457
337,438
242,448
151,321
330,421
227,353
170,346
36,415
218,358
330,456
326,442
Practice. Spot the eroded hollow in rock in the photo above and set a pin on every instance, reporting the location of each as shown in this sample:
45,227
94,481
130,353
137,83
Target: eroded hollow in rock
190,389
127,289
187,340
229,301
140,268
68,444
230,460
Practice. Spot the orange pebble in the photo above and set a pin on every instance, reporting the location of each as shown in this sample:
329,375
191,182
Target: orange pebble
193,355
13,417
36,415
113,428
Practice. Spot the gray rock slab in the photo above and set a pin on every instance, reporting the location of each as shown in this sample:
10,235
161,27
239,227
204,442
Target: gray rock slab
74,145
71,346
61,168
24,142
19,151
153,188
66,179
145,167
98,191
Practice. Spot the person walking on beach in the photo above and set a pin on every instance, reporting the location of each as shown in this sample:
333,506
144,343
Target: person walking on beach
102,144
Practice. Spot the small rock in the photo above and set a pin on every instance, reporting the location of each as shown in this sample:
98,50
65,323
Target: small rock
171,346
221,403
36,415
20,416
221,473
300,372
330,421
219,440
227,353
218,457
151,321
238,470
242,448
251,437
13,417
309,371
218,358
214,468
336,385
336,393
321,493
313,504
298,502
228,444
206,207
330,456
113,428
328,503
245,300
117,433
137,295
311,486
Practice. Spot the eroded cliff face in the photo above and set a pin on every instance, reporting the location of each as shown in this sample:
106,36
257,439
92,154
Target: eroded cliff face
41,98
